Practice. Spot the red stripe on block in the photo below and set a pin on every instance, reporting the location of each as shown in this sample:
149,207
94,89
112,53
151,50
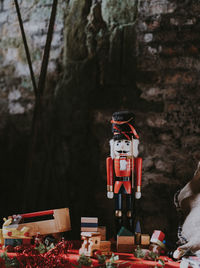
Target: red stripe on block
37,214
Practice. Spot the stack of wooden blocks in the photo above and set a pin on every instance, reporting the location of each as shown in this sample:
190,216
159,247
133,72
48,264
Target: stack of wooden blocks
93,236
89,224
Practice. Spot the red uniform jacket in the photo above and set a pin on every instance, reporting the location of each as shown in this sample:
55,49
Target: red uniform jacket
123,168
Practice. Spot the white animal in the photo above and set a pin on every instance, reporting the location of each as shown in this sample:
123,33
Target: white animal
189,203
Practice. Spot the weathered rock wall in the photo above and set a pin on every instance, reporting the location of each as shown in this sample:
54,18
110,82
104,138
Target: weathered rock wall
15,78
16,91
167,75
118,55
141,56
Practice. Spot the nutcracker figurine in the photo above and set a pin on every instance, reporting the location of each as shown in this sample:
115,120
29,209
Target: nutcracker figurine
124,167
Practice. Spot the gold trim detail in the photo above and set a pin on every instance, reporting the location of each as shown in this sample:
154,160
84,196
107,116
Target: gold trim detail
118,213
129,214
109,188
138,188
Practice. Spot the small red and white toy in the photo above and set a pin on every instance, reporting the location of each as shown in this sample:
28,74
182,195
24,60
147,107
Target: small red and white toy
158,238
157,242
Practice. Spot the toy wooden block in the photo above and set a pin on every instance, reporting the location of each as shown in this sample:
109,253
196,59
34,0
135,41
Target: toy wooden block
91,243
125,241
102,231
157,235
105,246
125,244
62,219
89,224
59,223
145,240
15,232
158,238
1,237
11,232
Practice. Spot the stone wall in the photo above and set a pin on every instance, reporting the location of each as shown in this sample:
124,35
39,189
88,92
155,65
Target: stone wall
140,56
16,91
15,78
167,75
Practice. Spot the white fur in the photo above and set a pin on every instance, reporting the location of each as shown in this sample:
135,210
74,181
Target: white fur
189,201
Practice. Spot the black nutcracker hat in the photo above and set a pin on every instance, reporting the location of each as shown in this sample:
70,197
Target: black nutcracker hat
122,126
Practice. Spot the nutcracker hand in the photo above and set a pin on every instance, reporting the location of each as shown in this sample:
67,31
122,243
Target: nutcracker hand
110,195
138,195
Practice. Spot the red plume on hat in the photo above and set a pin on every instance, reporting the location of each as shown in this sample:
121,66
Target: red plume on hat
122,125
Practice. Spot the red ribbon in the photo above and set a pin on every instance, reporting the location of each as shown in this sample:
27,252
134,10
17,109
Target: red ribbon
123,132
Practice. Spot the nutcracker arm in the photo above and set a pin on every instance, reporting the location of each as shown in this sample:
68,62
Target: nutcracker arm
109,168
138,167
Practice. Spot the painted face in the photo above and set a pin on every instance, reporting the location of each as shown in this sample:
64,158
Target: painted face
122,148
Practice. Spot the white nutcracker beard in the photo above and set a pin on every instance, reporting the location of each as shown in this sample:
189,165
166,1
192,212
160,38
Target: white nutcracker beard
123,164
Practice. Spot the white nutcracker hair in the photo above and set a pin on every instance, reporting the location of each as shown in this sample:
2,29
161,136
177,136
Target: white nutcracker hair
135,143
112,148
